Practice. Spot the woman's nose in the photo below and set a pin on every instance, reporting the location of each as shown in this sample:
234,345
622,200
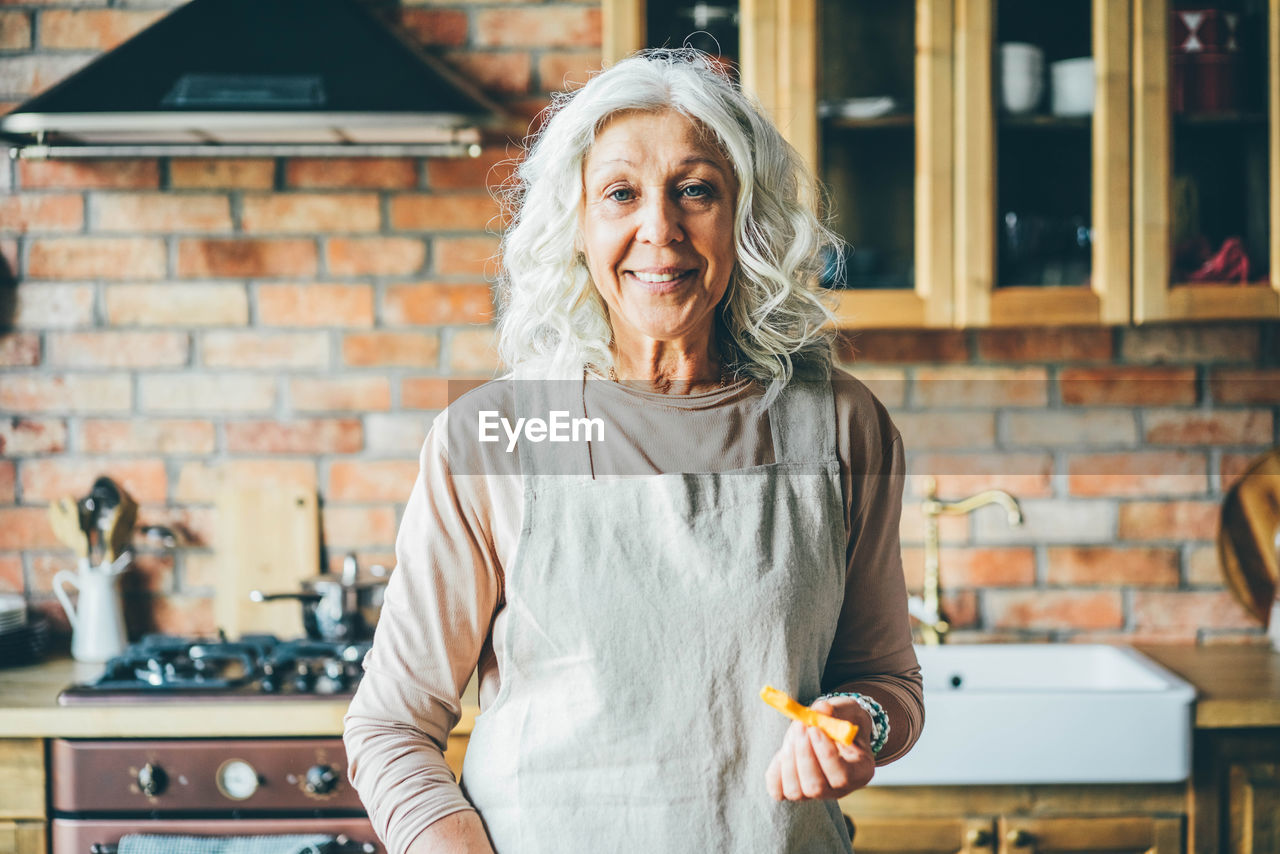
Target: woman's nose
660,222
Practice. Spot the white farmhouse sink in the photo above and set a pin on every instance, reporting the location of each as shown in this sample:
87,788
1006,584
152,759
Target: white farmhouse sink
1046,713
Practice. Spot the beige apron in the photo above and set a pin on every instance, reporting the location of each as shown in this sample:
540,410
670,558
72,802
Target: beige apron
644,614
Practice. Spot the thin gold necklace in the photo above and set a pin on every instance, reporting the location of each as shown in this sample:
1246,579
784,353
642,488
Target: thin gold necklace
725,376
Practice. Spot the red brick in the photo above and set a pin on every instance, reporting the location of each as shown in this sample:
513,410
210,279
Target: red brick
411,349
1199,427
981,386
92,29
437,27
1109,567
974,567
1192,344
1163,611
150,573
235,349
213,304
374,256
1054,609
1128,386
1057,427
555,26
41,212
927,431
315,436
26,528
497,73
1071,344
8,482
1231,467
118,349
161,212
50,305
960,607
492,169
66,393
430,304
15,31
30,73
127,174
1168,520
151,435
315,305
211,393
896,346
183,614
395,435
46,479
1261,385
455,212
304,212
19,350
203,173
201,482
565,70
20,437
473,350
959,475
11,575
466,256
96,258
371,480
343,394
385,173
1138,474
424,393
246,258
1204,569
346,527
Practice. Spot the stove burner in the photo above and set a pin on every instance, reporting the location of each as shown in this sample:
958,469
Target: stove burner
255,665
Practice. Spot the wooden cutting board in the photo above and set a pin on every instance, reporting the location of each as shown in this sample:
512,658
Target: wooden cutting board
268,540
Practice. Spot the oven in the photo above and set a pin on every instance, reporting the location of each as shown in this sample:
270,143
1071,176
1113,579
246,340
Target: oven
116,795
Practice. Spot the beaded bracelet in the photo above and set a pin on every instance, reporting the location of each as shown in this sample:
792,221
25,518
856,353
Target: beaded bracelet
879,720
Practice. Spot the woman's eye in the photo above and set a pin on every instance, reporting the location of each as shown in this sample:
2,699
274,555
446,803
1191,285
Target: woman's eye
622,194
696,191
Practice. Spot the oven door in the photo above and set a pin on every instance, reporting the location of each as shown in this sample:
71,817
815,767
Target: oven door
102,835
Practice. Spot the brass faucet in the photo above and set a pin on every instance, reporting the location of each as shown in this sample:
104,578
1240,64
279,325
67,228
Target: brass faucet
928,610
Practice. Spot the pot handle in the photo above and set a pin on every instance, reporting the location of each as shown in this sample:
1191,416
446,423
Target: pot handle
59,579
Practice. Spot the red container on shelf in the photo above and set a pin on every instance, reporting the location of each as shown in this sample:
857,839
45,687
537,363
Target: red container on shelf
1204,68
1204,31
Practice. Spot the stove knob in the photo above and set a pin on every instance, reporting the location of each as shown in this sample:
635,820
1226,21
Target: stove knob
321,780
152,780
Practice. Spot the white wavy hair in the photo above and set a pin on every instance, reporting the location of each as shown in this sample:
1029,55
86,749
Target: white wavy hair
771,323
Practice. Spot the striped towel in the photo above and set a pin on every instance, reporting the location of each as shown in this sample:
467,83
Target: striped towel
297,843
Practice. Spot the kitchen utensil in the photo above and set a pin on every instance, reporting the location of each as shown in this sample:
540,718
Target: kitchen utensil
115,512
66,520
1021,76
343,608
1249,535
268,539
1073,86
97,621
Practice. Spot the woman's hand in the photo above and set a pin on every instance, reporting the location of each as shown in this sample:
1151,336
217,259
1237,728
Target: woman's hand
809,765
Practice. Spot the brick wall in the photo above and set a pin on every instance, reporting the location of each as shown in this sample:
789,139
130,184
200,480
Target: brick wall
182,322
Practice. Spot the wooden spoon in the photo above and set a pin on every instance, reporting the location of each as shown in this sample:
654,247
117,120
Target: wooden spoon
64,517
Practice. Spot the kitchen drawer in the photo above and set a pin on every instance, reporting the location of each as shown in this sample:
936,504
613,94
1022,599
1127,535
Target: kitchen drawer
21,780
22,837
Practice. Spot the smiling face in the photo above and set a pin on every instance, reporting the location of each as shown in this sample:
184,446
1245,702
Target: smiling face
657,228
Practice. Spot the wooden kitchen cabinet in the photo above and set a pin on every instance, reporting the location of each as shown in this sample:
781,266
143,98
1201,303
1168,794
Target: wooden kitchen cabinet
23,837
1019,835
941,196
1236,792
22,796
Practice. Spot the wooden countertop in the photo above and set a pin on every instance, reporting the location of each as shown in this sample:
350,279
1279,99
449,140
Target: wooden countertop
1237,686
29,709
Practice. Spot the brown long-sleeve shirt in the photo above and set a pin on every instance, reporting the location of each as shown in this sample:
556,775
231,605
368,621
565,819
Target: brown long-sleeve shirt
444,611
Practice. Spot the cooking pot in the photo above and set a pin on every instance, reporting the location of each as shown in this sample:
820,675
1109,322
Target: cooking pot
342,608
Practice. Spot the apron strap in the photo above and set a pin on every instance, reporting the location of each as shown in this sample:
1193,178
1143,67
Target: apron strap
803,422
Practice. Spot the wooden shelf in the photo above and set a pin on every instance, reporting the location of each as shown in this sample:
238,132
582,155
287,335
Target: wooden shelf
897,120
1046,123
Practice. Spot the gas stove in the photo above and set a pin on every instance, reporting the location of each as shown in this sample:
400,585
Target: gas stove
167,668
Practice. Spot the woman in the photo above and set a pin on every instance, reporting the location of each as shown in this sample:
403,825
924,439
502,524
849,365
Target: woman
659,275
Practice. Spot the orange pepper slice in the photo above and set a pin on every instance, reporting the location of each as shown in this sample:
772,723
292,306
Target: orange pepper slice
835,728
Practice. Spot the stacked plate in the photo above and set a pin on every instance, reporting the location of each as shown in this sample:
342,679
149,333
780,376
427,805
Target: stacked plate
22,640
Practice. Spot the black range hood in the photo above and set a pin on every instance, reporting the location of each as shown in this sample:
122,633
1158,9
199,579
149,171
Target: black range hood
231,77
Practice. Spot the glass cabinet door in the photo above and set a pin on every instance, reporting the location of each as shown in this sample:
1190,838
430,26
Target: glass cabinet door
1043,162
1207,191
